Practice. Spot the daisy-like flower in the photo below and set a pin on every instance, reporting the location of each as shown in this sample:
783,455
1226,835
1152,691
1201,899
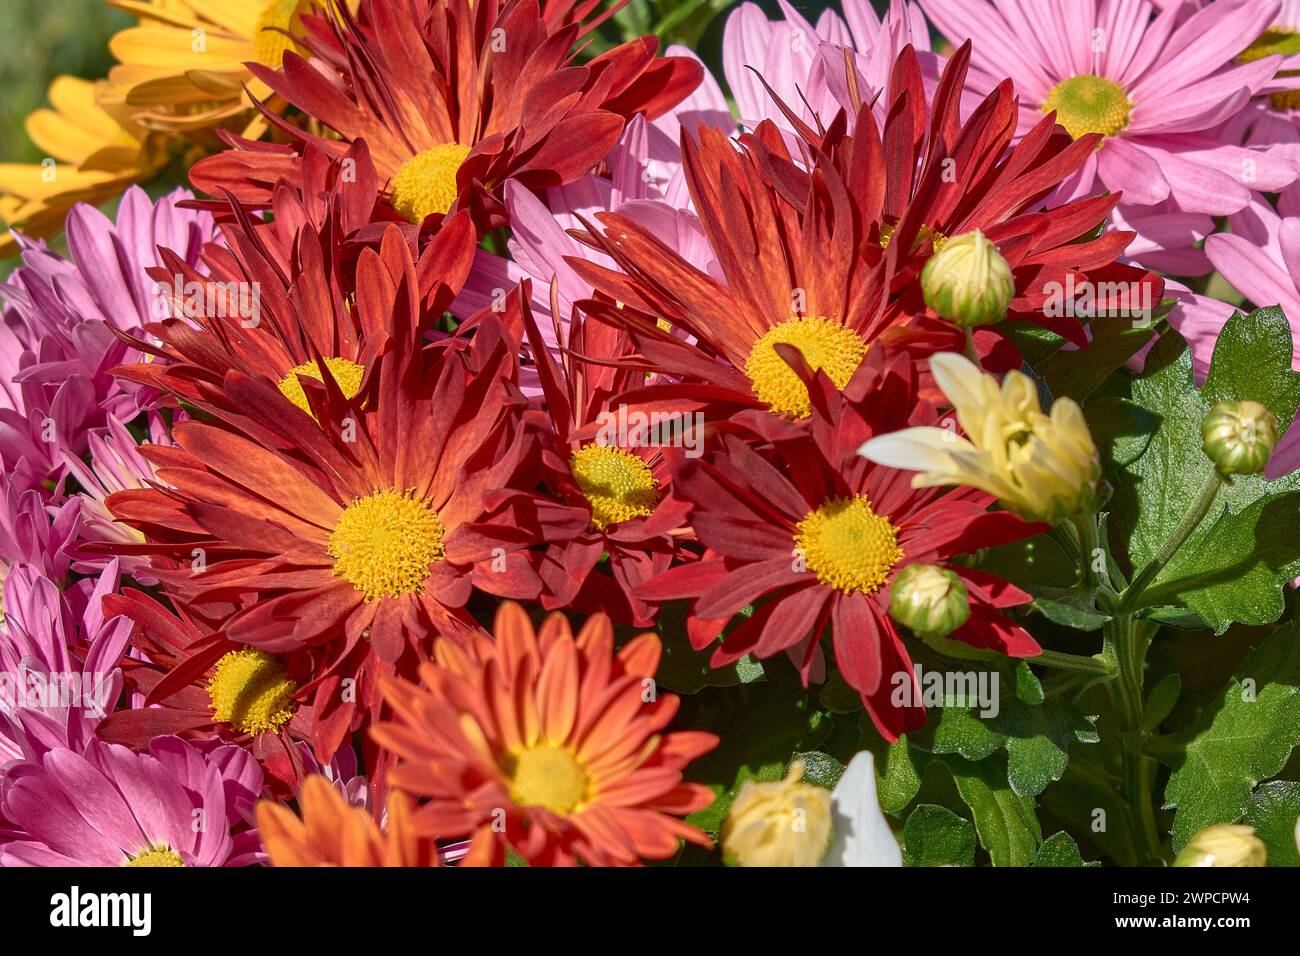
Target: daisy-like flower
805,66
1155,87
93,151
58,664
1044,467
547,744
356,537
455,99
36,534
60,322
610,498
332,832
827,262
816,537
112,807
183,68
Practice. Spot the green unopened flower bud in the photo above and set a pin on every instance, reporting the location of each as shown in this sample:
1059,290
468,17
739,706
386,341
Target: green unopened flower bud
1239,437
1224,844
968,282
931,600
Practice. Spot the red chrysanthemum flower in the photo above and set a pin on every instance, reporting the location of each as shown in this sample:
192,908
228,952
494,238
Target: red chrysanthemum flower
453,98
826,260
546,744
357,536
814,535
608,505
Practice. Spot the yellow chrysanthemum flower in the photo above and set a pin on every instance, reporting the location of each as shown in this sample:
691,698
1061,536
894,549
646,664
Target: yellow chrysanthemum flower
1044,467
93,152
182,66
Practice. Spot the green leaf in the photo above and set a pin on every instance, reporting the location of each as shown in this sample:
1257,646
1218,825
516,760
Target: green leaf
1060,850
1252,360
1273,811
898,776
1244,739
1005,821
1233,568
1160,702
935,836
757,743
1121,429
1068,609
1037,739
821,769
1078,375
685,670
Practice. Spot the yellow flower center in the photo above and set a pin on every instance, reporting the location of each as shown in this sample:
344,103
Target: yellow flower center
249,690
887,231
826,345
617,484
848,546
1089,104
426,183
269,44
346,373
384,543
156,856
550,777
1281,40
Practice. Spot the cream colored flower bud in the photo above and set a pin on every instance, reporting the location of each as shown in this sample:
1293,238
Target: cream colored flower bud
930,600
781,823
1224,844
1239,437
968,282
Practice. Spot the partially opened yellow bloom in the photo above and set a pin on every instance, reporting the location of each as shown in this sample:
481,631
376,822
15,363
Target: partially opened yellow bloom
92,152
182,66
1044,467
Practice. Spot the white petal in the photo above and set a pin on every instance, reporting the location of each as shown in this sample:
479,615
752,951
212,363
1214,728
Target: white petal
915,449
958,378
862,834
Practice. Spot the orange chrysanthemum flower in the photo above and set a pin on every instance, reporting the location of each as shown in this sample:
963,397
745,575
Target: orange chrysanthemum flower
332,832
547,744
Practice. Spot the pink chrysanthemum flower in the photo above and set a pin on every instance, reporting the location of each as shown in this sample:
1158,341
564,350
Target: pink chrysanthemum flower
1157,85
57,335
115,464
58,664
644,183
34,533
805,65
180,804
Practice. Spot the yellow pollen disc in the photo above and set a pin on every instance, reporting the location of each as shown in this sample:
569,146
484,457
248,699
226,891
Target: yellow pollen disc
249,691
346,374
1089,104
826,345
550,777
384,543
426,183
269,45
848,546
156,856
925,232
617,484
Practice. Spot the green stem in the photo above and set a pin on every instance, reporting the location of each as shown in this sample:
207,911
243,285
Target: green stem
1129,600
1076,663
1126,646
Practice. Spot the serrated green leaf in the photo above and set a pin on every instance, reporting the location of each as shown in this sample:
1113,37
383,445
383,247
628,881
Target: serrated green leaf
898,776
1037,739
1223,570
1242,740
1005,821
935,836
1273,811
821,769
1060,850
